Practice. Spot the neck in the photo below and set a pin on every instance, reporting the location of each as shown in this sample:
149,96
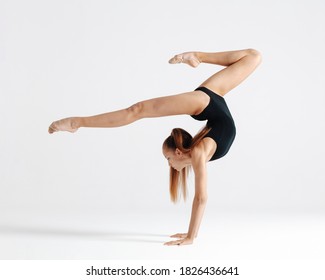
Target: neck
187,160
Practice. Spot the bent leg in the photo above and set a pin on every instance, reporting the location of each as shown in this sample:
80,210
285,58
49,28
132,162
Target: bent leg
189,103
239,65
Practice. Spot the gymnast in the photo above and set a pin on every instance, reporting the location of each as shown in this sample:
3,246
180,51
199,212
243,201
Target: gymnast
181,150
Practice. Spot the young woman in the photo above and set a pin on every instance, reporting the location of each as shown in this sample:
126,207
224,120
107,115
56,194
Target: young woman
180,149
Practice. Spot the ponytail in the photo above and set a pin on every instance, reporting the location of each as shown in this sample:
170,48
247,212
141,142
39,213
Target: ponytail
182,140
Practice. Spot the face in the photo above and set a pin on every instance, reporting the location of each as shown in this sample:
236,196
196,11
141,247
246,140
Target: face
174,158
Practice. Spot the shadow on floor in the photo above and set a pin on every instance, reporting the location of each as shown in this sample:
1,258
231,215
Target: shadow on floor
109,235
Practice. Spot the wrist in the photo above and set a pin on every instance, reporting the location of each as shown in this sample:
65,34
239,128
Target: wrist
190,237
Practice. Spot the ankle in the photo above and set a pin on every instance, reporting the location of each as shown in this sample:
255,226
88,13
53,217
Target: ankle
77,122
199,56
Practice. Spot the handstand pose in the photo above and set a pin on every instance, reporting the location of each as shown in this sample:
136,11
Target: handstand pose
180,149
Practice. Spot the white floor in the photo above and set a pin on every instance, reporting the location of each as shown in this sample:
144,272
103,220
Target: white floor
140,236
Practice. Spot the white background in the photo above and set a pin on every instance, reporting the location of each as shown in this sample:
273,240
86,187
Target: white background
103,193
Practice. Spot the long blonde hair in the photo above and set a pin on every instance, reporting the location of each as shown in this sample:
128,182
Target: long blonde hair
182,140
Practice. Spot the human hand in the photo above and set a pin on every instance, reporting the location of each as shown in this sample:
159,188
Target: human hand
179,235
179,242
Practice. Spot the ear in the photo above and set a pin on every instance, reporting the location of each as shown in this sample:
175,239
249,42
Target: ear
178,152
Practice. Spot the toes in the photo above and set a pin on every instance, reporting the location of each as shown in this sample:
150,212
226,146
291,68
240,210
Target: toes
62,125
176,59
52,128
185,58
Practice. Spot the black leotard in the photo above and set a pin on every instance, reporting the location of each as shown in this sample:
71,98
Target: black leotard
223,130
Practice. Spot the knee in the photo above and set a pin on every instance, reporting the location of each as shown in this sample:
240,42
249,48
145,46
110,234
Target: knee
135,111
255,54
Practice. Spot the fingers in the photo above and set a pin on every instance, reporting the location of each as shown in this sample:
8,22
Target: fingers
179,242
179,235
174,242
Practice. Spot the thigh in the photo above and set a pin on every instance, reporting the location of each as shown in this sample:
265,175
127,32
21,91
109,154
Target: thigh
189,103
230,77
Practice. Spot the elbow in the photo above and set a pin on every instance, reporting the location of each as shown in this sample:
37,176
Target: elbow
201,199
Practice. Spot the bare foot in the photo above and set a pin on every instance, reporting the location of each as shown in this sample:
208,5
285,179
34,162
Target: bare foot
189,58
68,124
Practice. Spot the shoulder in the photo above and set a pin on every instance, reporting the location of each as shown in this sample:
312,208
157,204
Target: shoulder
199,160
204,150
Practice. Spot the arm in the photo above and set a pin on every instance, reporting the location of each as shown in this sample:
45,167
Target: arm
199,201
200,198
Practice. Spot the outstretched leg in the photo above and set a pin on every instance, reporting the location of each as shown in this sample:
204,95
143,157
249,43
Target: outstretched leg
190,103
